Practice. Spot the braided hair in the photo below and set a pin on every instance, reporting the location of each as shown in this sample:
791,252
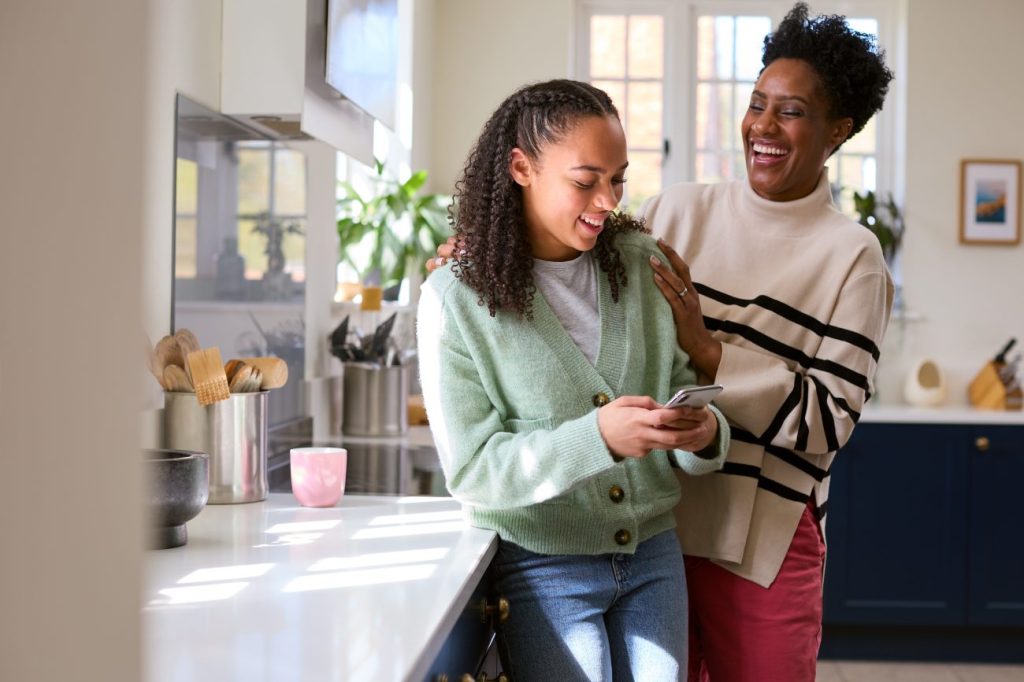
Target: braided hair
851,68
497,261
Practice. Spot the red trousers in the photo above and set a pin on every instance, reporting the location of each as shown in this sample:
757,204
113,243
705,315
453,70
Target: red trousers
742,632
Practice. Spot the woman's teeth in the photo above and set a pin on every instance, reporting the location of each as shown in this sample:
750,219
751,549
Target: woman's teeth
765,149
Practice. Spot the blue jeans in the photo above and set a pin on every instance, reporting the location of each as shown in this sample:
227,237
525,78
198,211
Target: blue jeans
609,617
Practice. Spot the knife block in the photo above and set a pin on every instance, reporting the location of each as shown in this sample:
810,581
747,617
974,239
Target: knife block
988,392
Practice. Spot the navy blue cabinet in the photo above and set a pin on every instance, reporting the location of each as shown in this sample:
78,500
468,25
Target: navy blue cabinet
995,588
925,533
897,527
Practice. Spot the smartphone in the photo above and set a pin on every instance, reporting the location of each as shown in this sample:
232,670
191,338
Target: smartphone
694,396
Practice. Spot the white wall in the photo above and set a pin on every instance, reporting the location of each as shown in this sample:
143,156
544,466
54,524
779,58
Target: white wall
484,51
185,56
71,196
962,101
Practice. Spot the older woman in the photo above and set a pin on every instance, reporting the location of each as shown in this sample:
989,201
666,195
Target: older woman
785,305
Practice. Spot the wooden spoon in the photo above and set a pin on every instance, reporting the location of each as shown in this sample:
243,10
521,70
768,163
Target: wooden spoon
187,343
167,353
176,380
273,370
240,378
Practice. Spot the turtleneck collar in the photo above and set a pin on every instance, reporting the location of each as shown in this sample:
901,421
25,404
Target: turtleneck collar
790,218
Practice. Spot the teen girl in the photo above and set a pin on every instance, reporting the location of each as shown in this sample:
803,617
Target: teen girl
544,351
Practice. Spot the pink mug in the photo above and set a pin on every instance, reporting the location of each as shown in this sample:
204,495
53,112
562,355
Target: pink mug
318,475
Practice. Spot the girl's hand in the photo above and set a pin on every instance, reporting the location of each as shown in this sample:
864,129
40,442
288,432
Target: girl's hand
632,426
697,427
444,252
691,334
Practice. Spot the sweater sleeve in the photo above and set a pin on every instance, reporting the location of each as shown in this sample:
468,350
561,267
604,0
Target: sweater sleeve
812,408
487,462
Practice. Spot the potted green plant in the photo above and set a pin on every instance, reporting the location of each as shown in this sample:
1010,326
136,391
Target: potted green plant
884,220
381,231
277,283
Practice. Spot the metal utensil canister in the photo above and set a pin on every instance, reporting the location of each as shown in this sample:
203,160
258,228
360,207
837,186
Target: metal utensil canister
374,400
232,432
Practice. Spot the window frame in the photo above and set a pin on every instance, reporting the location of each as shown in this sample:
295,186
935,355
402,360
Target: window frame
581,63
680,106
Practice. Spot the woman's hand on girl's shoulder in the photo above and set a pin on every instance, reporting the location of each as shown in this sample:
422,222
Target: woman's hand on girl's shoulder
444,252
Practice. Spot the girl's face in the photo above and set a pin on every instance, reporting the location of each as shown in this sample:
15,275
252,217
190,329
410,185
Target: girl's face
572,187
787,132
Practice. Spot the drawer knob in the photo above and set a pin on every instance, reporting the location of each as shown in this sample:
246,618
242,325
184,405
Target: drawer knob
982,444
500,606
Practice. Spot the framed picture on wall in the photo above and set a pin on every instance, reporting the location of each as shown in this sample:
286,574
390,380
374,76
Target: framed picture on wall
989,201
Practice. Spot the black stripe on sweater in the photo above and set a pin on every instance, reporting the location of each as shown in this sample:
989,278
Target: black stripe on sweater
737,469
788,405
793,315
751,471
786,351
803,432
828,424
788,456
782,491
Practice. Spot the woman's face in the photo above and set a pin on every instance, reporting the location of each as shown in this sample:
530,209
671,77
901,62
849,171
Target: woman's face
572,187
787,132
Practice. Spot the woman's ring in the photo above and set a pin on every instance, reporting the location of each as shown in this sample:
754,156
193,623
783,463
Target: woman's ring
682,293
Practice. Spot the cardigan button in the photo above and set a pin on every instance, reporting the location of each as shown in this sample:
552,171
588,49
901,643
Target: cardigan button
600,399
623,537
616,494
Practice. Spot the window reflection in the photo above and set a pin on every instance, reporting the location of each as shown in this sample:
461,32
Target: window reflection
239,244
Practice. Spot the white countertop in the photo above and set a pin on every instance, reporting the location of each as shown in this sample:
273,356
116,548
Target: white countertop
904,414
366,590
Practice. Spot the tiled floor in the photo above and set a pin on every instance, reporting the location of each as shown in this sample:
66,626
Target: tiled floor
863,671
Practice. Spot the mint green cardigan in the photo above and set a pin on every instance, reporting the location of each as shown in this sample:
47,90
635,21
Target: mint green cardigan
512,408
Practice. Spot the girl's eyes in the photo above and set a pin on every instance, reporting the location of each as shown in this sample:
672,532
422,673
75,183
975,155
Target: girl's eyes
584,185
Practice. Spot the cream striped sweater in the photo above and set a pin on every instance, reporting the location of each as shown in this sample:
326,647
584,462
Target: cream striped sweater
799,295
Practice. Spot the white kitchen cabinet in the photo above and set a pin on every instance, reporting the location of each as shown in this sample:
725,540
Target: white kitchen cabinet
272,75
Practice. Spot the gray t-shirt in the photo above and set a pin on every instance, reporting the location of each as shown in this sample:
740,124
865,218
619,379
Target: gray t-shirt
570,288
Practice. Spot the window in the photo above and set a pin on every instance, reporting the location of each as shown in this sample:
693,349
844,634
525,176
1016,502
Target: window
728,61
186,198
626,59
271,189
710,54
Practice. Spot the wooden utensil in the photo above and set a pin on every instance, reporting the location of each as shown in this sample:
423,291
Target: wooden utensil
157,373
232,366
176,380
187,343
208,377
167,353
240,378
273,370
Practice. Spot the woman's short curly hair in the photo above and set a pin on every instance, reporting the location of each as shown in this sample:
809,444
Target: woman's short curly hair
495,258
852,69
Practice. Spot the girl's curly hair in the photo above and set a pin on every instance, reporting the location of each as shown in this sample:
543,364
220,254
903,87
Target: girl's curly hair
851,68
497,261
